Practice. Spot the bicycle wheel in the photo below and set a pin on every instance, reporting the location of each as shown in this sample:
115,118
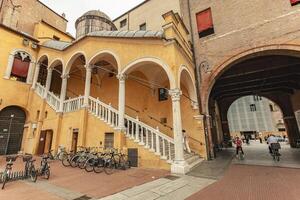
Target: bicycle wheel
65,162
74,161
4,179
89,165
109,167
98,167
33,174
47,173
81,162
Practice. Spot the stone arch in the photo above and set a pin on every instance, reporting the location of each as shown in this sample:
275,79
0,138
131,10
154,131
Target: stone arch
218,70
43,61
102,53
131,66
186,77
56,62
72,59
11,61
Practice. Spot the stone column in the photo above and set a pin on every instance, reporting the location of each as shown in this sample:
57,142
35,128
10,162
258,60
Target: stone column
63,92
87,89
36,75
179,166
122,78
48,82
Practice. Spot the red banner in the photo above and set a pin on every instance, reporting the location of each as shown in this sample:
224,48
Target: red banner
20,68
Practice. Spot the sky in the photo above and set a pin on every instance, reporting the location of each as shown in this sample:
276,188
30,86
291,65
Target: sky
75,8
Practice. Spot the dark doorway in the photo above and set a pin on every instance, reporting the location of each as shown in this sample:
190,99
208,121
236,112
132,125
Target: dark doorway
109,140
45,142
74,140
133,157
12,121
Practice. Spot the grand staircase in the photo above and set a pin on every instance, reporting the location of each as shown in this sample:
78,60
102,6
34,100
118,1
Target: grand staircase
142,134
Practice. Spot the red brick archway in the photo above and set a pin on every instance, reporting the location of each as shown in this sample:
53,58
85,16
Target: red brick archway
267,53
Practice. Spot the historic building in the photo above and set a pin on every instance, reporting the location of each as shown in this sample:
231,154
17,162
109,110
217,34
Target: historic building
132,90
254,115
245,48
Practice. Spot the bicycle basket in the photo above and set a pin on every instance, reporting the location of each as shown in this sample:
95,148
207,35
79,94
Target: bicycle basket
11,158
275,146
27,158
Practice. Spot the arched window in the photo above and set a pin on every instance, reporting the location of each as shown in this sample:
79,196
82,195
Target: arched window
20,66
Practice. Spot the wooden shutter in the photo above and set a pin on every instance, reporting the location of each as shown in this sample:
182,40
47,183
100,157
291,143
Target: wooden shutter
20,68
294,2
204,20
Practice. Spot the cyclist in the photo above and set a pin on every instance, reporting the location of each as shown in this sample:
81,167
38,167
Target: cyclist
239,147
272,140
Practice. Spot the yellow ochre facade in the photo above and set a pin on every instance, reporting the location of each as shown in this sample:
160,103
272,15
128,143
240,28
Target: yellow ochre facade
78,92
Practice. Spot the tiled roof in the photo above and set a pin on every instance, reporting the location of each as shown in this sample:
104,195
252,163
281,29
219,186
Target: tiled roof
54,44
60,45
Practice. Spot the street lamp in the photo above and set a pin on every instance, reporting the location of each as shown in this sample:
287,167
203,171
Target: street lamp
9,130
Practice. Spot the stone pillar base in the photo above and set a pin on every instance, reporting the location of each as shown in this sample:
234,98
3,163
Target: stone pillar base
180,167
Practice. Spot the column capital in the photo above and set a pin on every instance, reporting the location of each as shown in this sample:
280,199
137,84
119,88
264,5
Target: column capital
175,94
49,70
65,76
122,77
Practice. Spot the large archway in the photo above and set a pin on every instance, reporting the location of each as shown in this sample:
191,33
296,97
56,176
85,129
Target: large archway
12,120
147,86
272,74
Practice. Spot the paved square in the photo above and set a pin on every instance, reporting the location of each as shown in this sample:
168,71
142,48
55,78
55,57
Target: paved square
70,183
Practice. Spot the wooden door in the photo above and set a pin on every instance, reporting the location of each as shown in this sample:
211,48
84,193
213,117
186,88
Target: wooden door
48,141
74,141
42,142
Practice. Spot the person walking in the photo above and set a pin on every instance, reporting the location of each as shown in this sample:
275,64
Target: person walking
186,145
239,145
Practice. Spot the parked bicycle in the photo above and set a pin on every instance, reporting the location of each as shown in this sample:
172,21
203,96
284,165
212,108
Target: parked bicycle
61,154
6,175
96,159
30,171
45,167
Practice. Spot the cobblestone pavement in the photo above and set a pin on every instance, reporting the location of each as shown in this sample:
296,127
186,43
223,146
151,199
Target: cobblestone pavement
69,183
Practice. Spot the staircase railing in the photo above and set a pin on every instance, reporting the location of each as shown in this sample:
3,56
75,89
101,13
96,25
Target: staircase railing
154,140
104,112
151,138
40,90
53,101
72,105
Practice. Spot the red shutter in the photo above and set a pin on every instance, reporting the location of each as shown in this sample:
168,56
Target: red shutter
204,20
294,2
20,68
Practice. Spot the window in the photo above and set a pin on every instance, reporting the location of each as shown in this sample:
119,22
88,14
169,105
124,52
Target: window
257,98
252,107
20,67
271,108
56,38
123,23
205,23
162,94
143,27
295,2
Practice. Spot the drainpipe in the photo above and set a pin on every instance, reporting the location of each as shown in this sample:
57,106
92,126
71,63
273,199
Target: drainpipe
198,85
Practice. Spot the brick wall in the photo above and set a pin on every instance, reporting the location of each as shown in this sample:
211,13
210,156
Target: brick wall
240,26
